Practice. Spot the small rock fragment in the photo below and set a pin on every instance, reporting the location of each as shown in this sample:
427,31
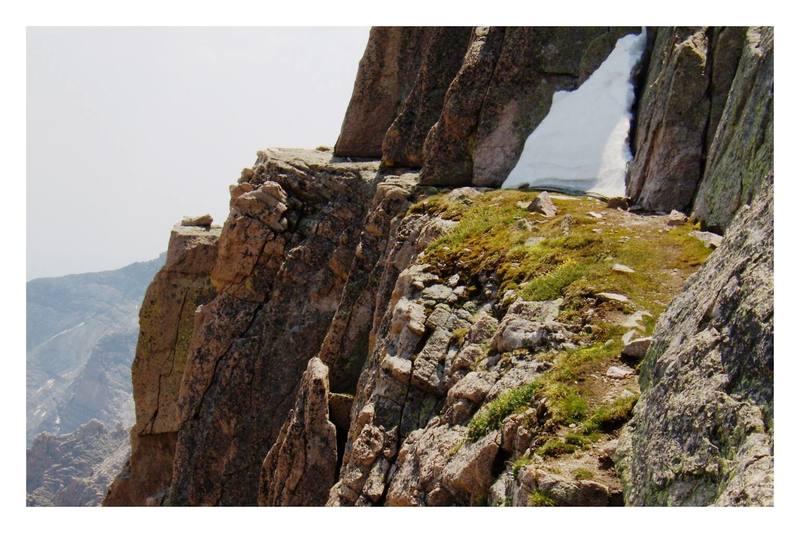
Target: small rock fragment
637,348
542,204
618,372
619,267
202,221
676,218
711,240
594,214
613,297
618,202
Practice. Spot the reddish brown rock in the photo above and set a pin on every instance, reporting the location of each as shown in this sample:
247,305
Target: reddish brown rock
447,154
166,325
671,121
386,74
284,253
301,466
404,140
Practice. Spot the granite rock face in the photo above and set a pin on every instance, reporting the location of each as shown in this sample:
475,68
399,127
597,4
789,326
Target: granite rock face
671,121
166,324
283,258
404,140
502,92
702,432
300,467
741,152
386,74
358,349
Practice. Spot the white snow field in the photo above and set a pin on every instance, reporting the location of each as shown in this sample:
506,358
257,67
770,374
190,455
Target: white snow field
582,143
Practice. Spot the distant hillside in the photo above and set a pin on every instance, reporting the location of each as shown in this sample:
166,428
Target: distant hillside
81,336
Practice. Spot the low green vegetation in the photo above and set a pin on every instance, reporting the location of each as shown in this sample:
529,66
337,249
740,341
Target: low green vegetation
534,255
568,256
582,473
611,416
540,498
491,415
555,447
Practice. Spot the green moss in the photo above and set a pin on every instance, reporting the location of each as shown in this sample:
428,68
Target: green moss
555,447
565,402
519,464
491,415
540,498
611,416
459,334
551,285
582,473
492,231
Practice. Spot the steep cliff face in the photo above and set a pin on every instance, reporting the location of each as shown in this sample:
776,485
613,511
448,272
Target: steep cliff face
386,75
704,125
741,153
166,322
702,432
371,339
284,255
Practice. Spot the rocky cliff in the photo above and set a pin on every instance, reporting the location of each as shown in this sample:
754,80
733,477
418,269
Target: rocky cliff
362,333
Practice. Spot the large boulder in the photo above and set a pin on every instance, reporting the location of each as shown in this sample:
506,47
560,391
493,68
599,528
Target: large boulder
741,153
386,74
702,432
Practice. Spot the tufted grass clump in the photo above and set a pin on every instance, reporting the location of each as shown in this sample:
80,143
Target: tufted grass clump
611,416
581,474
555,447
539,498
491,415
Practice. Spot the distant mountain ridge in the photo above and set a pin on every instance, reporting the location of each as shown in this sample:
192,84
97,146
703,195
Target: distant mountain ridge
81,337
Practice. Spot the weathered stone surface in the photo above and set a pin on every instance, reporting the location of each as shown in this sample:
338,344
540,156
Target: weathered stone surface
502,92
529,325
284,253
671,121
702,431
543,205
74,469
203,221
726,50
300,467
386,74
166,325
447,150
348,341
402,145
741,153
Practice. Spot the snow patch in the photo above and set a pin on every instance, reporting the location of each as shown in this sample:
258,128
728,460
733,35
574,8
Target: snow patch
582,143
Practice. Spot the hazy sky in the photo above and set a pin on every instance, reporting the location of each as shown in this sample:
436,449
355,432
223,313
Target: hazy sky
131,128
